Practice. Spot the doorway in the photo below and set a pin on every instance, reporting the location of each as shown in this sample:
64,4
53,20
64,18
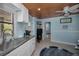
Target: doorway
47,30
39,31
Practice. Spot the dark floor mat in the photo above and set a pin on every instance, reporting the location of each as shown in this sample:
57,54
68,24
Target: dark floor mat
54,51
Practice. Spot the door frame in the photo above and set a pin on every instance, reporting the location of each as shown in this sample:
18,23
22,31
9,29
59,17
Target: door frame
44,24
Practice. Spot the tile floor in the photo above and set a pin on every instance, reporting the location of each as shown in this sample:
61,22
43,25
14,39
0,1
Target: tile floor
47,42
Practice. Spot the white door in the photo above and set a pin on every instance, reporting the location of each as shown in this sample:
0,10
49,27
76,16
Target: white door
47,30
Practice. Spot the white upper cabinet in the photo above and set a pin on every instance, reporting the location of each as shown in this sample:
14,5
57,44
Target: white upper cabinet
22,13
26,16
22,16
19,9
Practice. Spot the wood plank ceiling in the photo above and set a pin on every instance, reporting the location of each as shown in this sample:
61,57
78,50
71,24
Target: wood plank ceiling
46,9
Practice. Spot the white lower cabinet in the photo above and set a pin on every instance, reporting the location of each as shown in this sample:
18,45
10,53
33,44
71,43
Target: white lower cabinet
24,50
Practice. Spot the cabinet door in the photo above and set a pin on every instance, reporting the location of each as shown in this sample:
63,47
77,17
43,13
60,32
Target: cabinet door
20,16
20,51
24,50
31,46
25,16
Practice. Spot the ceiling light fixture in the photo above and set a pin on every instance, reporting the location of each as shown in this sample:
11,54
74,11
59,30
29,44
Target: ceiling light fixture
38,9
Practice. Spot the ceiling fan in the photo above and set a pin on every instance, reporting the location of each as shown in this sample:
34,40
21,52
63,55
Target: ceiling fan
68,10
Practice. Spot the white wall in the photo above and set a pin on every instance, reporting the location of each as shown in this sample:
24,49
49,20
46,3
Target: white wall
19,28
33,24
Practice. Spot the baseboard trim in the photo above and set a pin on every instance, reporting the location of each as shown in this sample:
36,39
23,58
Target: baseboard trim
63,42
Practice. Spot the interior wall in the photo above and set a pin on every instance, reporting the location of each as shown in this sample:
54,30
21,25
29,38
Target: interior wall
48,27
69,35
33,25
19,28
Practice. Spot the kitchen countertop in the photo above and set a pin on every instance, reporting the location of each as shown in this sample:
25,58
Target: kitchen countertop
15,44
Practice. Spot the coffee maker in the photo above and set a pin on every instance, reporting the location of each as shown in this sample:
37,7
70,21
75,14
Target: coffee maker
27,33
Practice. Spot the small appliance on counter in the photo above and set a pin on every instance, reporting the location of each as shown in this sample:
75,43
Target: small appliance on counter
27,33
